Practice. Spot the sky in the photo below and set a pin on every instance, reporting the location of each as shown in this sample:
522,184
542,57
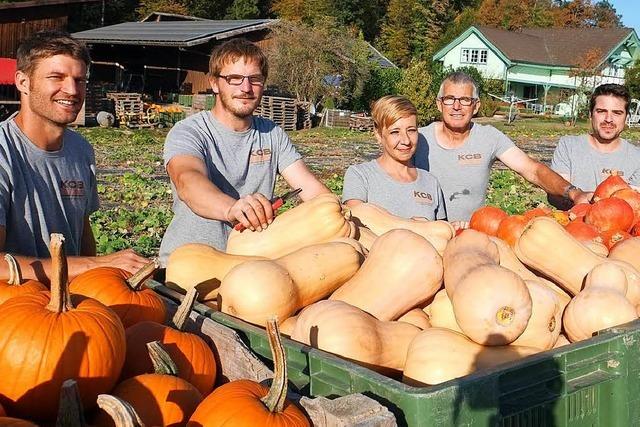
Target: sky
630,13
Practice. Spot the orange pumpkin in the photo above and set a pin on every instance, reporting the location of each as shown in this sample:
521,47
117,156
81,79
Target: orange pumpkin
15,285
47,339
583,232
539,211
193,357
579,211
610,214
127,295
511,228
609,186
245,403
487,219
632,197
613,237
15,422
159,399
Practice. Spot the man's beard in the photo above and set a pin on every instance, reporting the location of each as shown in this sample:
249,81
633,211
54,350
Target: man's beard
242,111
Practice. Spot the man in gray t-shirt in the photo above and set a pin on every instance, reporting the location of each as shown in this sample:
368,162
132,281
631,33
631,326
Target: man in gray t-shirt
223,163
420,198
587,160
460,153
48,172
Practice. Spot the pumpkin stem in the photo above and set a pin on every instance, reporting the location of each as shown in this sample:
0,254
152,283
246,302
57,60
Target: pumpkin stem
120,411
15,277
182,314
143,274
70,412
277,395
60,297
162,363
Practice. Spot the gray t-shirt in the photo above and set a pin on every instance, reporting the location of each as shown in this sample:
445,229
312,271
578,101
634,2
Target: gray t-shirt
370,183
238,163
463,172
44,192
586,167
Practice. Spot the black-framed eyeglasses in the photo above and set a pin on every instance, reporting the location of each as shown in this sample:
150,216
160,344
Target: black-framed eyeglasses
238,79
465,101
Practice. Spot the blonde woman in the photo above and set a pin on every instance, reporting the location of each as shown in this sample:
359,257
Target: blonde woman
392,181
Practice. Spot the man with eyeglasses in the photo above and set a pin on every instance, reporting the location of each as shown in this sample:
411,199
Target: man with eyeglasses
223,163
460,153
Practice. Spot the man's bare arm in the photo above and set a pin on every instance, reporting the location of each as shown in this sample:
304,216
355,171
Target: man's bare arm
298,175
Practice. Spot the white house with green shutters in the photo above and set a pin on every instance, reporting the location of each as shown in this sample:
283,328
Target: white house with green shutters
538,62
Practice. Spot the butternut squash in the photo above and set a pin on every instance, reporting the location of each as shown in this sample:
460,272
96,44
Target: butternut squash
491,303
347,331
416,317
379,220
544,326
257,290
510,261
600,305
548,248
353,242
318,220
286,326
440,312
562,341
402,271
597,248
199,266
437,355
365,236
628,250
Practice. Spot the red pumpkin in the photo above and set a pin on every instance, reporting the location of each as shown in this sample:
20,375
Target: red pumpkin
245,403
539,211
487,219
609,186
583,232
159,399
511,228
47,339
632,197
610,214
15,285
127,295
193,357
579,211
613,237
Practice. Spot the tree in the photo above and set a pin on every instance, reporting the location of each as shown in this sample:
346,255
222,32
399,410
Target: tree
605,15
168,6
632,80
243,9
315,61
586,71
397,31
209,9
306,11
418,85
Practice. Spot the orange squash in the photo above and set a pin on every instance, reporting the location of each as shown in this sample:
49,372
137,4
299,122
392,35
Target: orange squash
441,314
347,331
628,251
544,326
402,271
202,267
416,317
609,186
257,290
160,398
15,285
511,228
127,295
47,339
610,214
245,403
318,220
194,359
487,219
437,355
366,237
632,197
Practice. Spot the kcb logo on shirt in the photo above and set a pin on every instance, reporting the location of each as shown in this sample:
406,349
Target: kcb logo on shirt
260,155
607,172
469,158
72,188
422,197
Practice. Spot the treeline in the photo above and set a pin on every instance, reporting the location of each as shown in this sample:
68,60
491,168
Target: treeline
402,29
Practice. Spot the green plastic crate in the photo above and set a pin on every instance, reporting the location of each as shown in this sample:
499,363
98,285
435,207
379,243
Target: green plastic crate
591,383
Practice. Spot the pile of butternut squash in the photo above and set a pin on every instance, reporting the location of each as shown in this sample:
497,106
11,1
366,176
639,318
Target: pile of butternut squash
410,298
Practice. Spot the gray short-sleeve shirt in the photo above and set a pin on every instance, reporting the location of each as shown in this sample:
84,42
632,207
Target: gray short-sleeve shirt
44,192
586,167
370,183
238,163
463,172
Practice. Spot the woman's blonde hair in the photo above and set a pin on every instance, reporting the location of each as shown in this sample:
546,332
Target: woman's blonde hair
389,109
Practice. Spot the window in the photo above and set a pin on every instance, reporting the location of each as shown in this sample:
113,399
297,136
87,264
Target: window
474,56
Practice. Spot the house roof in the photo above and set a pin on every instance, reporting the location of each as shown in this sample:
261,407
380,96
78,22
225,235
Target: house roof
554,46
171,33
38,3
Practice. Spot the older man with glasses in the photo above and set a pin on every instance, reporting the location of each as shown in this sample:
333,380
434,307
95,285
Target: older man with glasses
223,163
460,153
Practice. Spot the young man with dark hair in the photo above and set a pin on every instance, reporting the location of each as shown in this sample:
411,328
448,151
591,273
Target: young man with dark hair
47,171
460,153
223,163
587,160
